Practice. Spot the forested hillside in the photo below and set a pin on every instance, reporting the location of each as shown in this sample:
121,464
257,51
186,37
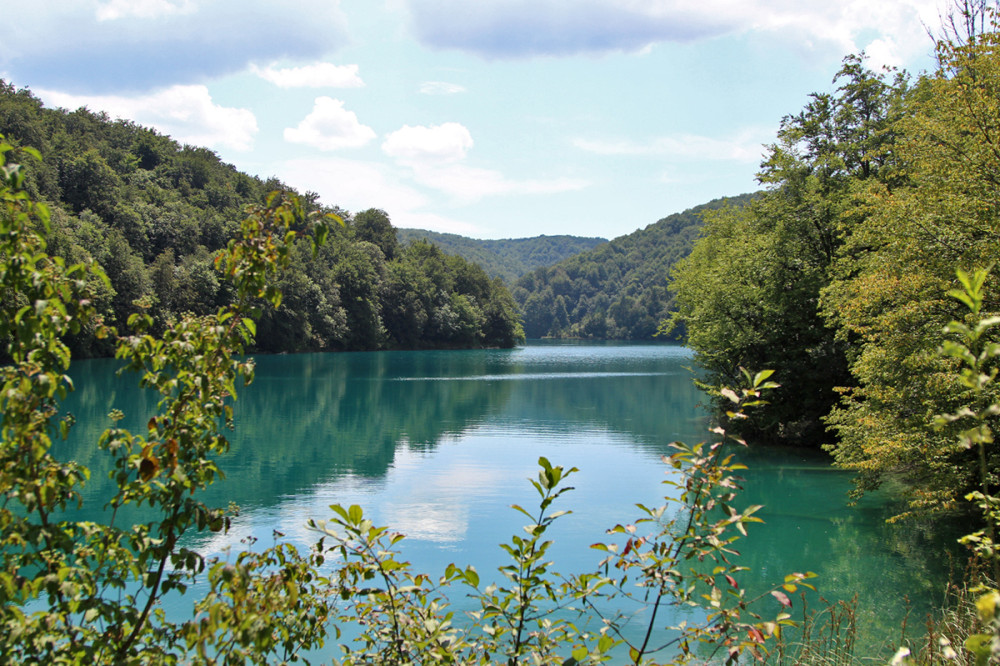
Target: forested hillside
838,277
616,291
507,258
154,213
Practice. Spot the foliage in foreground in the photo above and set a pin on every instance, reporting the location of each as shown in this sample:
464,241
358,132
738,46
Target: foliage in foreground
82,592
677,555
77,592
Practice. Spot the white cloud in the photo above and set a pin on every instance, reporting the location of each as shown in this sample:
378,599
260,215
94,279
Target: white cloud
320,75
515,28
145,9
466,184
747,146
884,53
329,126
448,142
140,45
356,185
353,184
434,157
186,113
440,88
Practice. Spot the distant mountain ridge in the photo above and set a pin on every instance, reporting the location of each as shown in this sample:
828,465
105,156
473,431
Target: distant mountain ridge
507,258
615,291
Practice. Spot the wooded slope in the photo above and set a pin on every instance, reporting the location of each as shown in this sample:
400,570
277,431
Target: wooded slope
615,291
154,213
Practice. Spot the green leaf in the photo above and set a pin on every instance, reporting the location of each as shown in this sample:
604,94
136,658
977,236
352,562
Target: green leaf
979,645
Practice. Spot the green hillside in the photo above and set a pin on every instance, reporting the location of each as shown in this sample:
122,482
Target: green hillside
153,214
508,258
616,291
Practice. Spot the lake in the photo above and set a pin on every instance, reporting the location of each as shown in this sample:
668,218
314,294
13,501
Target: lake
439,444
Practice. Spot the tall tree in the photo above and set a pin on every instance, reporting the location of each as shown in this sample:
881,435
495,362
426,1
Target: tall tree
897,267
749,292
373,225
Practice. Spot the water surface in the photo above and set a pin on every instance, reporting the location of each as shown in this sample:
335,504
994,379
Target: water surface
438,445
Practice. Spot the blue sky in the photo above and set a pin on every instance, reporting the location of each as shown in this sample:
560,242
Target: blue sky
488,118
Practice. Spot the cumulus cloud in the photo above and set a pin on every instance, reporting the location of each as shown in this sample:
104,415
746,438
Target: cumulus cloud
427,168
440,143
747,146
440,88
434,156
319,75
514,28
329,126
120,46
530,27
186,113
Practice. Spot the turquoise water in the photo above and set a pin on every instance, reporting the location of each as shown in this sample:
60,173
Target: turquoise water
439,444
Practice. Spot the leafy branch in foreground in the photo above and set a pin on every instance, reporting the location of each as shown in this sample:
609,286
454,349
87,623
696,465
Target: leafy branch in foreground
686,559
974,347
77,592
527,616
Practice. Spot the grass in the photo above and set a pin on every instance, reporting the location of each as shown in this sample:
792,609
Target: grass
828,635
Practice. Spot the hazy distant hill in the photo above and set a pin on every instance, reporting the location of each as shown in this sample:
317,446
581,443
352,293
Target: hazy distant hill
616,291
509,258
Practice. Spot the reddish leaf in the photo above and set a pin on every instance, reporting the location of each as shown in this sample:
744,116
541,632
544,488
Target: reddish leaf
782,598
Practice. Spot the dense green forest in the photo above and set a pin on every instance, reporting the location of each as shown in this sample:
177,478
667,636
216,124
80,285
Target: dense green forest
838,276
616,291
507,258
154,214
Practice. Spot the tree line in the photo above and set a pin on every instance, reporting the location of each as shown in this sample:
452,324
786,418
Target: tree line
838,274
154,214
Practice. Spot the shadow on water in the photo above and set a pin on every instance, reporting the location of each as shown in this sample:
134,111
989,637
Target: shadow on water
896,570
